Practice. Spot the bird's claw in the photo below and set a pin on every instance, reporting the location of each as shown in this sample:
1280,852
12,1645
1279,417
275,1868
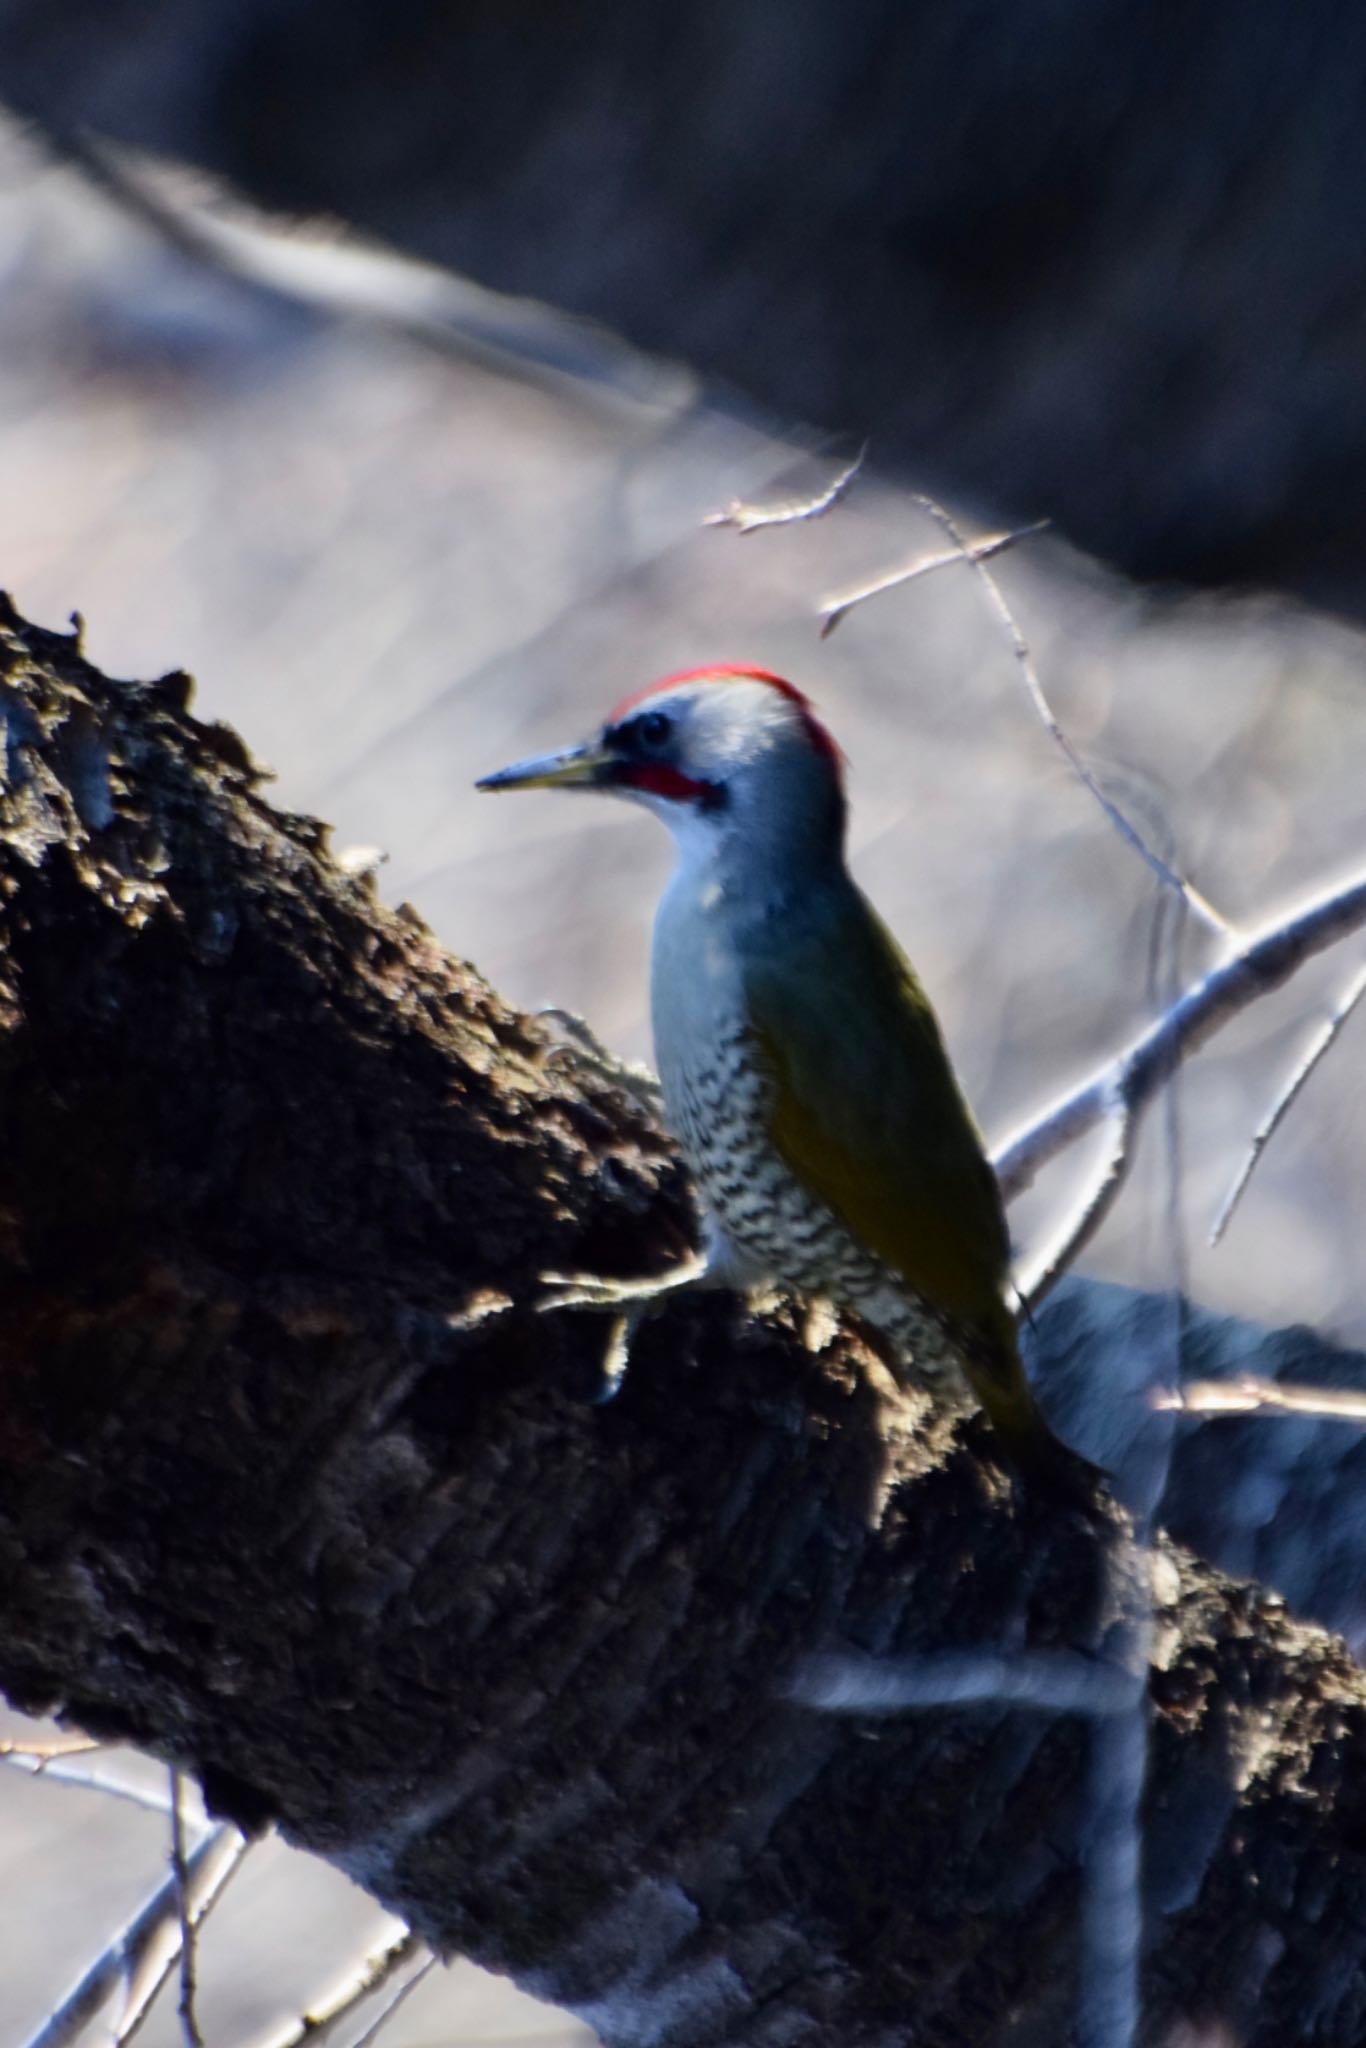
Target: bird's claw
584,1290
635,1298
630,1302
630,1306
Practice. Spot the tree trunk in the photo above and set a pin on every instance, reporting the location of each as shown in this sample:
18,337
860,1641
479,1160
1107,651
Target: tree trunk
297,1489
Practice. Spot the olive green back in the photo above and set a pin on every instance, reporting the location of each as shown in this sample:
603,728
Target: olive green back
868,1113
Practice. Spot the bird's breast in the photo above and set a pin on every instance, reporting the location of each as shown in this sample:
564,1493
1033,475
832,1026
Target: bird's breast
718,1101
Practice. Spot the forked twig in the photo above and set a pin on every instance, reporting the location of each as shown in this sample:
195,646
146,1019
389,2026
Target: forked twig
745,518
43,1753
1035,1277
1127,831
207,1868
1321,1043
54,1765
150,1973
832,609
1130,1082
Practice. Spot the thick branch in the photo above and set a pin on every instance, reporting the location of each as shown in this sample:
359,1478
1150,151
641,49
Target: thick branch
298,1491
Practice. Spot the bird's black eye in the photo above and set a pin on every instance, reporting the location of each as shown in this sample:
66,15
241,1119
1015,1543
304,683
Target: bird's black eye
653,728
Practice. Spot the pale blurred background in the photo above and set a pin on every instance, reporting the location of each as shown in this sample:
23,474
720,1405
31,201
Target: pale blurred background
394,565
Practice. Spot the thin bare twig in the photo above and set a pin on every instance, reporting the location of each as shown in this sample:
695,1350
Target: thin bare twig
189,2023
44,1752
1165,873
122,1956
831,610
54,1767
1319,1044
152,1970
391,2005
375,1969
1132,1080
1035,1276
750,518
1247,1395
1109,1997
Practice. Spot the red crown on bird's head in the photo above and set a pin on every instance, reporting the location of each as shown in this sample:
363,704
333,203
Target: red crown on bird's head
819,735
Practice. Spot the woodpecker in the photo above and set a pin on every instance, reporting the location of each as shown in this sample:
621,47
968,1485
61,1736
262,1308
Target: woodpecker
802,1068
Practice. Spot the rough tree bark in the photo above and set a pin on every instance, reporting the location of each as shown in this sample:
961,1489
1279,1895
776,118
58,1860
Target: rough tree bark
297,1490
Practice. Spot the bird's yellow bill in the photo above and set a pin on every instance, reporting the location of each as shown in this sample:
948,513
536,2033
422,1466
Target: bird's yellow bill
576,767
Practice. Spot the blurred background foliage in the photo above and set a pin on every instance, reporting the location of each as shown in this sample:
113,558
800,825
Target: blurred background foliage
1104,259
1102,264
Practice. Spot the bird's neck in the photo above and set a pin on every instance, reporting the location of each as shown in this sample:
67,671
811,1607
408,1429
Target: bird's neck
750,880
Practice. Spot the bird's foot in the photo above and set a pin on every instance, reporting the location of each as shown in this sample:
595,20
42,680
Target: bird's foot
630,1303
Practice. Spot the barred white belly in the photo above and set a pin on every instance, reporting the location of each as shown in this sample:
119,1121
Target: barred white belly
720,1113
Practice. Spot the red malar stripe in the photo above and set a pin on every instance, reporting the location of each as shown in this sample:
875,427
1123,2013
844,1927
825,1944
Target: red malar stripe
657,778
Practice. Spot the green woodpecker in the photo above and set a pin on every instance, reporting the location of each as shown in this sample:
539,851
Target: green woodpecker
802,1068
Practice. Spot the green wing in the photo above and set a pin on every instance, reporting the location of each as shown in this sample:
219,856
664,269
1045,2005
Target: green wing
868,1113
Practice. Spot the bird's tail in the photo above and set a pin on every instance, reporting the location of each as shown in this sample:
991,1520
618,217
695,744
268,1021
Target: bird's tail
995,1371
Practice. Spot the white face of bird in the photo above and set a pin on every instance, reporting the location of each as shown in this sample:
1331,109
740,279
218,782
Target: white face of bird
733,756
